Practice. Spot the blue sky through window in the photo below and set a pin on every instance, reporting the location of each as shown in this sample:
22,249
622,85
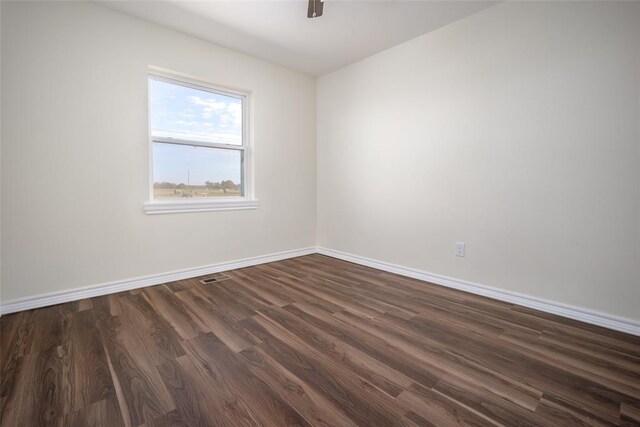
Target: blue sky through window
192,114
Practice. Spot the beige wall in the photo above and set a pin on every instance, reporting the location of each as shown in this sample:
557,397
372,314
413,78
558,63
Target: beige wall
515,130
75,152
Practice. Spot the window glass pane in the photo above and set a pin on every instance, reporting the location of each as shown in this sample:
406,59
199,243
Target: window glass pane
188,171
186,113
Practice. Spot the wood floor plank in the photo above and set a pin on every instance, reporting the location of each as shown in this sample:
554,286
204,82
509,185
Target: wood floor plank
440,410
170,419
86,378
48,333
311,341
581,328
37,400
593,349
341,298
237,305
141,393
382,376
19,404
113,303
262,287
381,350
630,414
303,295
188,389
181,285
269,408
221,388
312,405
84,305
498,409
365,293
445,363
518,363
173,310
569,409
219,323
16,332
411,419
102,413
563,417
358,398
619,378
154,333
296,288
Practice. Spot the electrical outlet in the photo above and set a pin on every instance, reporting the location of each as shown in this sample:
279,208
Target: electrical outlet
459,248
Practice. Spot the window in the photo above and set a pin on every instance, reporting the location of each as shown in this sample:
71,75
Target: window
199,147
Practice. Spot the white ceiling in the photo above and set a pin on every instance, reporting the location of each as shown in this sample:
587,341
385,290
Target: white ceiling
280,32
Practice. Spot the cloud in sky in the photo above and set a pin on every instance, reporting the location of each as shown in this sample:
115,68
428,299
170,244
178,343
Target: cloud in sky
227,114
184,112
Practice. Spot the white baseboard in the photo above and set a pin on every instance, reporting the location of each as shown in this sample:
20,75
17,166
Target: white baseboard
577,313
44,300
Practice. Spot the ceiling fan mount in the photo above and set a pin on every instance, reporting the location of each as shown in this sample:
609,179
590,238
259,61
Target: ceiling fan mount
315,8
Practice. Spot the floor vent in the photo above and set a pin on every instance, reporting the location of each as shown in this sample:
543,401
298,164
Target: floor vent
214,279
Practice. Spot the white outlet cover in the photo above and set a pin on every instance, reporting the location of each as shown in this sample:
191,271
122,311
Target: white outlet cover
460,248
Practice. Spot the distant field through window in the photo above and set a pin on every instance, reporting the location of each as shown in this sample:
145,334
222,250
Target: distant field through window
193,171
198,141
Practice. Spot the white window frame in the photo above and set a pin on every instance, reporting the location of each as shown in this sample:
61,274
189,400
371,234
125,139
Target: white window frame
202,204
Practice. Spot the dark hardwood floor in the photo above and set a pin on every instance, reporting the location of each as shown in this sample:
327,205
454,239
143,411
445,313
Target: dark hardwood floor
311,341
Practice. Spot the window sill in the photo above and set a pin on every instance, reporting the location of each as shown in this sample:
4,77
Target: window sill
155,207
